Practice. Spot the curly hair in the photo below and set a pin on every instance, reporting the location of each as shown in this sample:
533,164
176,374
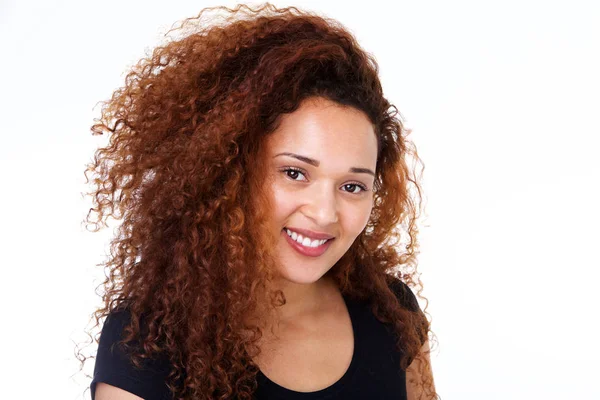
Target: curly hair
183,169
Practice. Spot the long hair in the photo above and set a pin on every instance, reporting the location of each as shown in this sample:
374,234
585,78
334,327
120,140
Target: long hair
184,171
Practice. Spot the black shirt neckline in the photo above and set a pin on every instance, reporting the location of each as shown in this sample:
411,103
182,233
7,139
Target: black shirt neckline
331,391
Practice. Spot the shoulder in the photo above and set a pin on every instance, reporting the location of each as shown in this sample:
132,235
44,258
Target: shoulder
408,300
113,327
404,294
114,366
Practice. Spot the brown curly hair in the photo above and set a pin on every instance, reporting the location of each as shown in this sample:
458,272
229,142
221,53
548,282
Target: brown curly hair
183,170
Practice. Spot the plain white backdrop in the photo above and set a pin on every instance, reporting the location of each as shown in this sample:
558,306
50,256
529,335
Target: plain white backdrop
504,102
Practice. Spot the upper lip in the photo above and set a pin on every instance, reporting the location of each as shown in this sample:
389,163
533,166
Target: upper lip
310,234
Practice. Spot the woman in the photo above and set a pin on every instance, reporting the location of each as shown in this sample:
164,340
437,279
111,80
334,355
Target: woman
262,180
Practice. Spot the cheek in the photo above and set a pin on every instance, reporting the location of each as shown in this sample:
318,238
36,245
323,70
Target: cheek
356,219
283,202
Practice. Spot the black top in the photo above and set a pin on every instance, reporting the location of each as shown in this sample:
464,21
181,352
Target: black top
374,372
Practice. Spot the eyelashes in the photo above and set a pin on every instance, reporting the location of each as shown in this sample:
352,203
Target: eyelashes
287,170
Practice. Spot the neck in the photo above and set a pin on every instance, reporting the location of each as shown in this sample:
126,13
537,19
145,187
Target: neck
303,299
304,303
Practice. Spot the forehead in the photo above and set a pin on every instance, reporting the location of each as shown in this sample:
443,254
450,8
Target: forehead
324,129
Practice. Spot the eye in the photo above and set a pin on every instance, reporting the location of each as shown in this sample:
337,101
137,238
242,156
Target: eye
362,187
292,172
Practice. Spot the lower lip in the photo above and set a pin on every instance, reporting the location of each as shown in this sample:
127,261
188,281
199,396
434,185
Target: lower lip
307,251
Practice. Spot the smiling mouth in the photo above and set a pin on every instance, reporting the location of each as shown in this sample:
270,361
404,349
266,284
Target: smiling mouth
308,248
304,240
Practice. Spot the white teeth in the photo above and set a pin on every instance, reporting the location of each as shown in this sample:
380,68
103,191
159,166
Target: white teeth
304,241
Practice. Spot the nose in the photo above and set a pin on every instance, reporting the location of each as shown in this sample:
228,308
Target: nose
321,206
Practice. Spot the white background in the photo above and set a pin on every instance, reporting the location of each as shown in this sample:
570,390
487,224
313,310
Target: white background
503,99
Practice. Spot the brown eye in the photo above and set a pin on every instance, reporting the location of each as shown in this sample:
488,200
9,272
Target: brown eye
292,173
354,186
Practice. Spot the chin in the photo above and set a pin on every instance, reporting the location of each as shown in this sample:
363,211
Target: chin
298,275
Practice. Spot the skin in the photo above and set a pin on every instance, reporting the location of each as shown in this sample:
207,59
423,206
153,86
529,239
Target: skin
312,335
326,198
104,391
414,390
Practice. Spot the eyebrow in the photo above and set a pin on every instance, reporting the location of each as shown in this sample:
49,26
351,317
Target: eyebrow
316,163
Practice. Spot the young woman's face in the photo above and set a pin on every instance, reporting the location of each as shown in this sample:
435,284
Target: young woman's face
322,159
